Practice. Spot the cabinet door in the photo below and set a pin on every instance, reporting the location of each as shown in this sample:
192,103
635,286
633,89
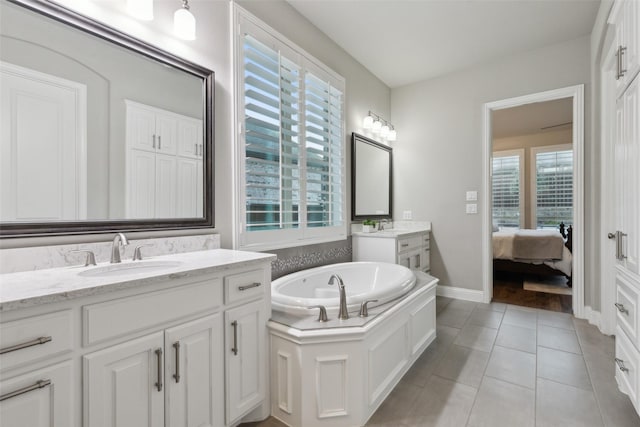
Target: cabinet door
141,184
631,38
245,352
166,133
194,372
190,141
188,188
123,385
47,398
141,128
166,184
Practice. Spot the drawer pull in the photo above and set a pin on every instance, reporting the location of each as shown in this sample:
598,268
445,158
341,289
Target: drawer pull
159,357
234,349
176,345
37,341
27,389
253,285
620,364
404,245
621,308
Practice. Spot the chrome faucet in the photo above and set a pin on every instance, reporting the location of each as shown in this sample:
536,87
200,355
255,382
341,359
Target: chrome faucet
115,248
383,222
343,314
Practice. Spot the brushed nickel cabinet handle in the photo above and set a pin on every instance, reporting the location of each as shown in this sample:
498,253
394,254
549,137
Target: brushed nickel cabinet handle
154,141
176,345
196,147
404,245
253,285
621,308
620,364
37,341
159,142
27,389
159,359
234,349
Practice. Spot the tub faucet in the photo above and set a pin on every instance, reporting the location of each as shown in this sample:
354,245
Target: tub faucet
115,248
343,314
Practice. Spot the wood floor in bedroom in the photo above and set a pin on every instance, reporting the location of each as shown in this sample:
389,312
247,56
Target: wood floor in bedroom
508,289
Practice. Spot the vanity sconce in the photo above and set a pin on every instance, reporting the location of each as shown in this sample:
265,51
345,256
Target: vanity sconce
184,23
379,126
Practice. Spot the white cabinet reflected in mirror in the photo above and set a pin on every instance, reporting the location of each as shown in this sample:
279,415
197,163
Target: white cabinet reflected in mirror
98,131
371,179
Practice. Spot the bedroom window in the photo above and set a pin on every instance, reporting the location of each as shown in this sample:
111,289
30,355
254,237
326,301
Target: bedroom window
507,180
291,143
553,186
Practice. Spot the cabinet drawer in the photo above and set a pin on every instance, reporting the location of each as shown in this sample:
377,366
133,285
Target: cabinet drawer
124,316
409,243
627,300
38,337
626,365
244,286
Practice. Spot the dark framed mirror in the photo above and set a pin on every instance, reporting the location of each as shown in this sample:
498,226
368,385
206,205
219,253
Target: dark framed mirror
371,179
100,131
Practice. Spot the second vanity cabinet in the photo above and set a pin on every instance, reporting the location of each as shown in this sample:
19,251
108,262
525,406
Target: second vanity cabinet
405,247
187,350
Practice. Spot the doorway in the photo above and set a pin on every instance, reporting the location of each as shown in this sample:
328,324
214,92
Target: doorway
526,213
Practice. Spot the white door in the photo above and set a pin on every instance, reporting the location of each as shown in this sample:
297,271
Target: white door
42,146
141,184
141,127
194,372
165,187
244,335
166,133
188,189
123,385
40,398
190,137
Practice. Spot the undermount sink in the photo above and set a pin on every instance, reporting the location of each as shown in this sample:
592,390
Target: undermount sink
124,269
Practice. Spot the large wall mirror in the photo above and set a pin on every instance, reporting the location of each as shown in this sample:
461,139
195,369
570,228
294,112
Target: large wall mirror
99,131
371,179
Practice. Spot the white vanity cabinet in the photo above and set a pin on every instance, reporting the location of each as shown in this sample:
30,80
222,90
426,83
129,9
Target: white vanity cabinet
159,353
405,247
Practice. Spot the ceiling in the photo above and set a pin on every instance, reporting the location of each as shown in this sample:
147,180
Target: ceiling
405,41
532,118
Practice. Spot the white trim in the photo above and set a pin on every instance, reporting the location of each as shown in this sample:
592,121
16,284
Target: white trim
459,293
533,175
577,94
521,188
594,318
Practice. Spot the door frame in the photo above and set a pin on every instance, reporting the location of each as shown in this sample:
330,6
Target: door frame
576,93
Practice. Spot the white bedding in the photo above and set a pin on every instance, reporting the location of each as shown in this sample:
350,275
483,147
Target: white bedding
503,249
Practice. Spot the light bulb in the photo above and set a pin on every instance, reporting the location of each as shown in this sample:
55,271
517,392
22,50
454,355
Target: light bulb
184,23
392,135
384,131
377,125
141,9
367,123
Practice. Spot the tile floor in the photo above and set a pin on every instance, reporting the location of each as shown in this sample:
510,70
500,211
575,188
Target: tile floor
504,365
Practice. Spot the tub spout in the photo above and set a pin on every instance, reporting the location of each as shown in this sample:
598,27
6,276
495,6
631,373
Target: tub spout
343,314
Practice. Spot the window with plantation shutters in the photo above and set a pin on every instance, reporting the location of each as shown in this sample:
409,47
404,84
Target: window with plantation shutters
291,143
553,174
507,190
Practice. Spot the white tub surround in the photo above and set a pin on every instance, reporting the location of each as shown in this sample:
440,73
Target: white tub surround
404,243
182,337
363,281
337,373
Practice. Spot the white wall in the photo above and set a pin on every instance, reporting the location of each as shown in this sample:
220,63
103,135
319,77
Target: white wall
438,156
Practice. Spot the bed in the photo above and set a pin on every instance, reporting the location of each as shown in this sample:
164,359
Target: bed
536,252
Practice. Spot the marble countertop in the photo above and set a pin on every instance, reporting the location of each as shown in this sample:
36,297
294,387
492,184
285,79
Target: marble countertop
392,233
31,288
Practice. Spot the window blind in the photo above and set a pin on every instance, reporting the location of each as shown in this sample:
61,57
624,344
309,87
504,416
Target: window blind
554,188
506,191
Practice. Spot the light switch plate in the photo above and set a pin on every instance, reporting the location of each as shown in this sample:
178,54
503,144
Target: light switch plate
472,208
407,215
472,195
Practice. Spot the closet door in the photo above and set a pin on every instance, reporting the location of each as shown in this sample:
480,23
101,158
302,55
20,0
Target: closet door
166,133
141,128
166,172
188,189
141,186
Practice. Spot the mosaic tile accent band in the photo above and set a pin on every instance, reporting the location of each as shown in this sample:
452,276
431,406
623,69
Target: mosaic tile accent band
291,260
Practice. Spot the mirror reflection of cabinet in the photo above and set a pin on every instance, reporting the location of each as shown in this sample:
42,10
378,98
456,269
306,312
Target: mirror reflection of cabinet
164,163
371,179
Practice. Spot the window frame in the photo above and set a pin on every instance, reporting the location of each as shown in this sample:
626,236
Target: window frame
519,152
245,23
534,151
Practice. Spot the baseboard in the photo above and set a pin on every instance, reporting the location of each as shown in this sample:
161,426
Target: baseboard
460,293
594,318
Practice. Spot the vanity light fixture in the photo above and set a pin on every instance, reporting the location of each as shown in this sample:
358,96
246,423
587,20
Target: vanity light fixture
141,9
380,126
184,23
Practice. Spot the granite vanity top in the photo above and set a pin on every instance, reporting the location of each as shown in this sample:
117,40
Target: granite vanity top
31,288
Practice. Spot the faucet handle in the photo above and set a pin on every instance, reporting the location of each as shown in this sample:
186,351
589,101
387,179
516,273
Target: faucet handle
322,316
364,311
89,260
137,253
